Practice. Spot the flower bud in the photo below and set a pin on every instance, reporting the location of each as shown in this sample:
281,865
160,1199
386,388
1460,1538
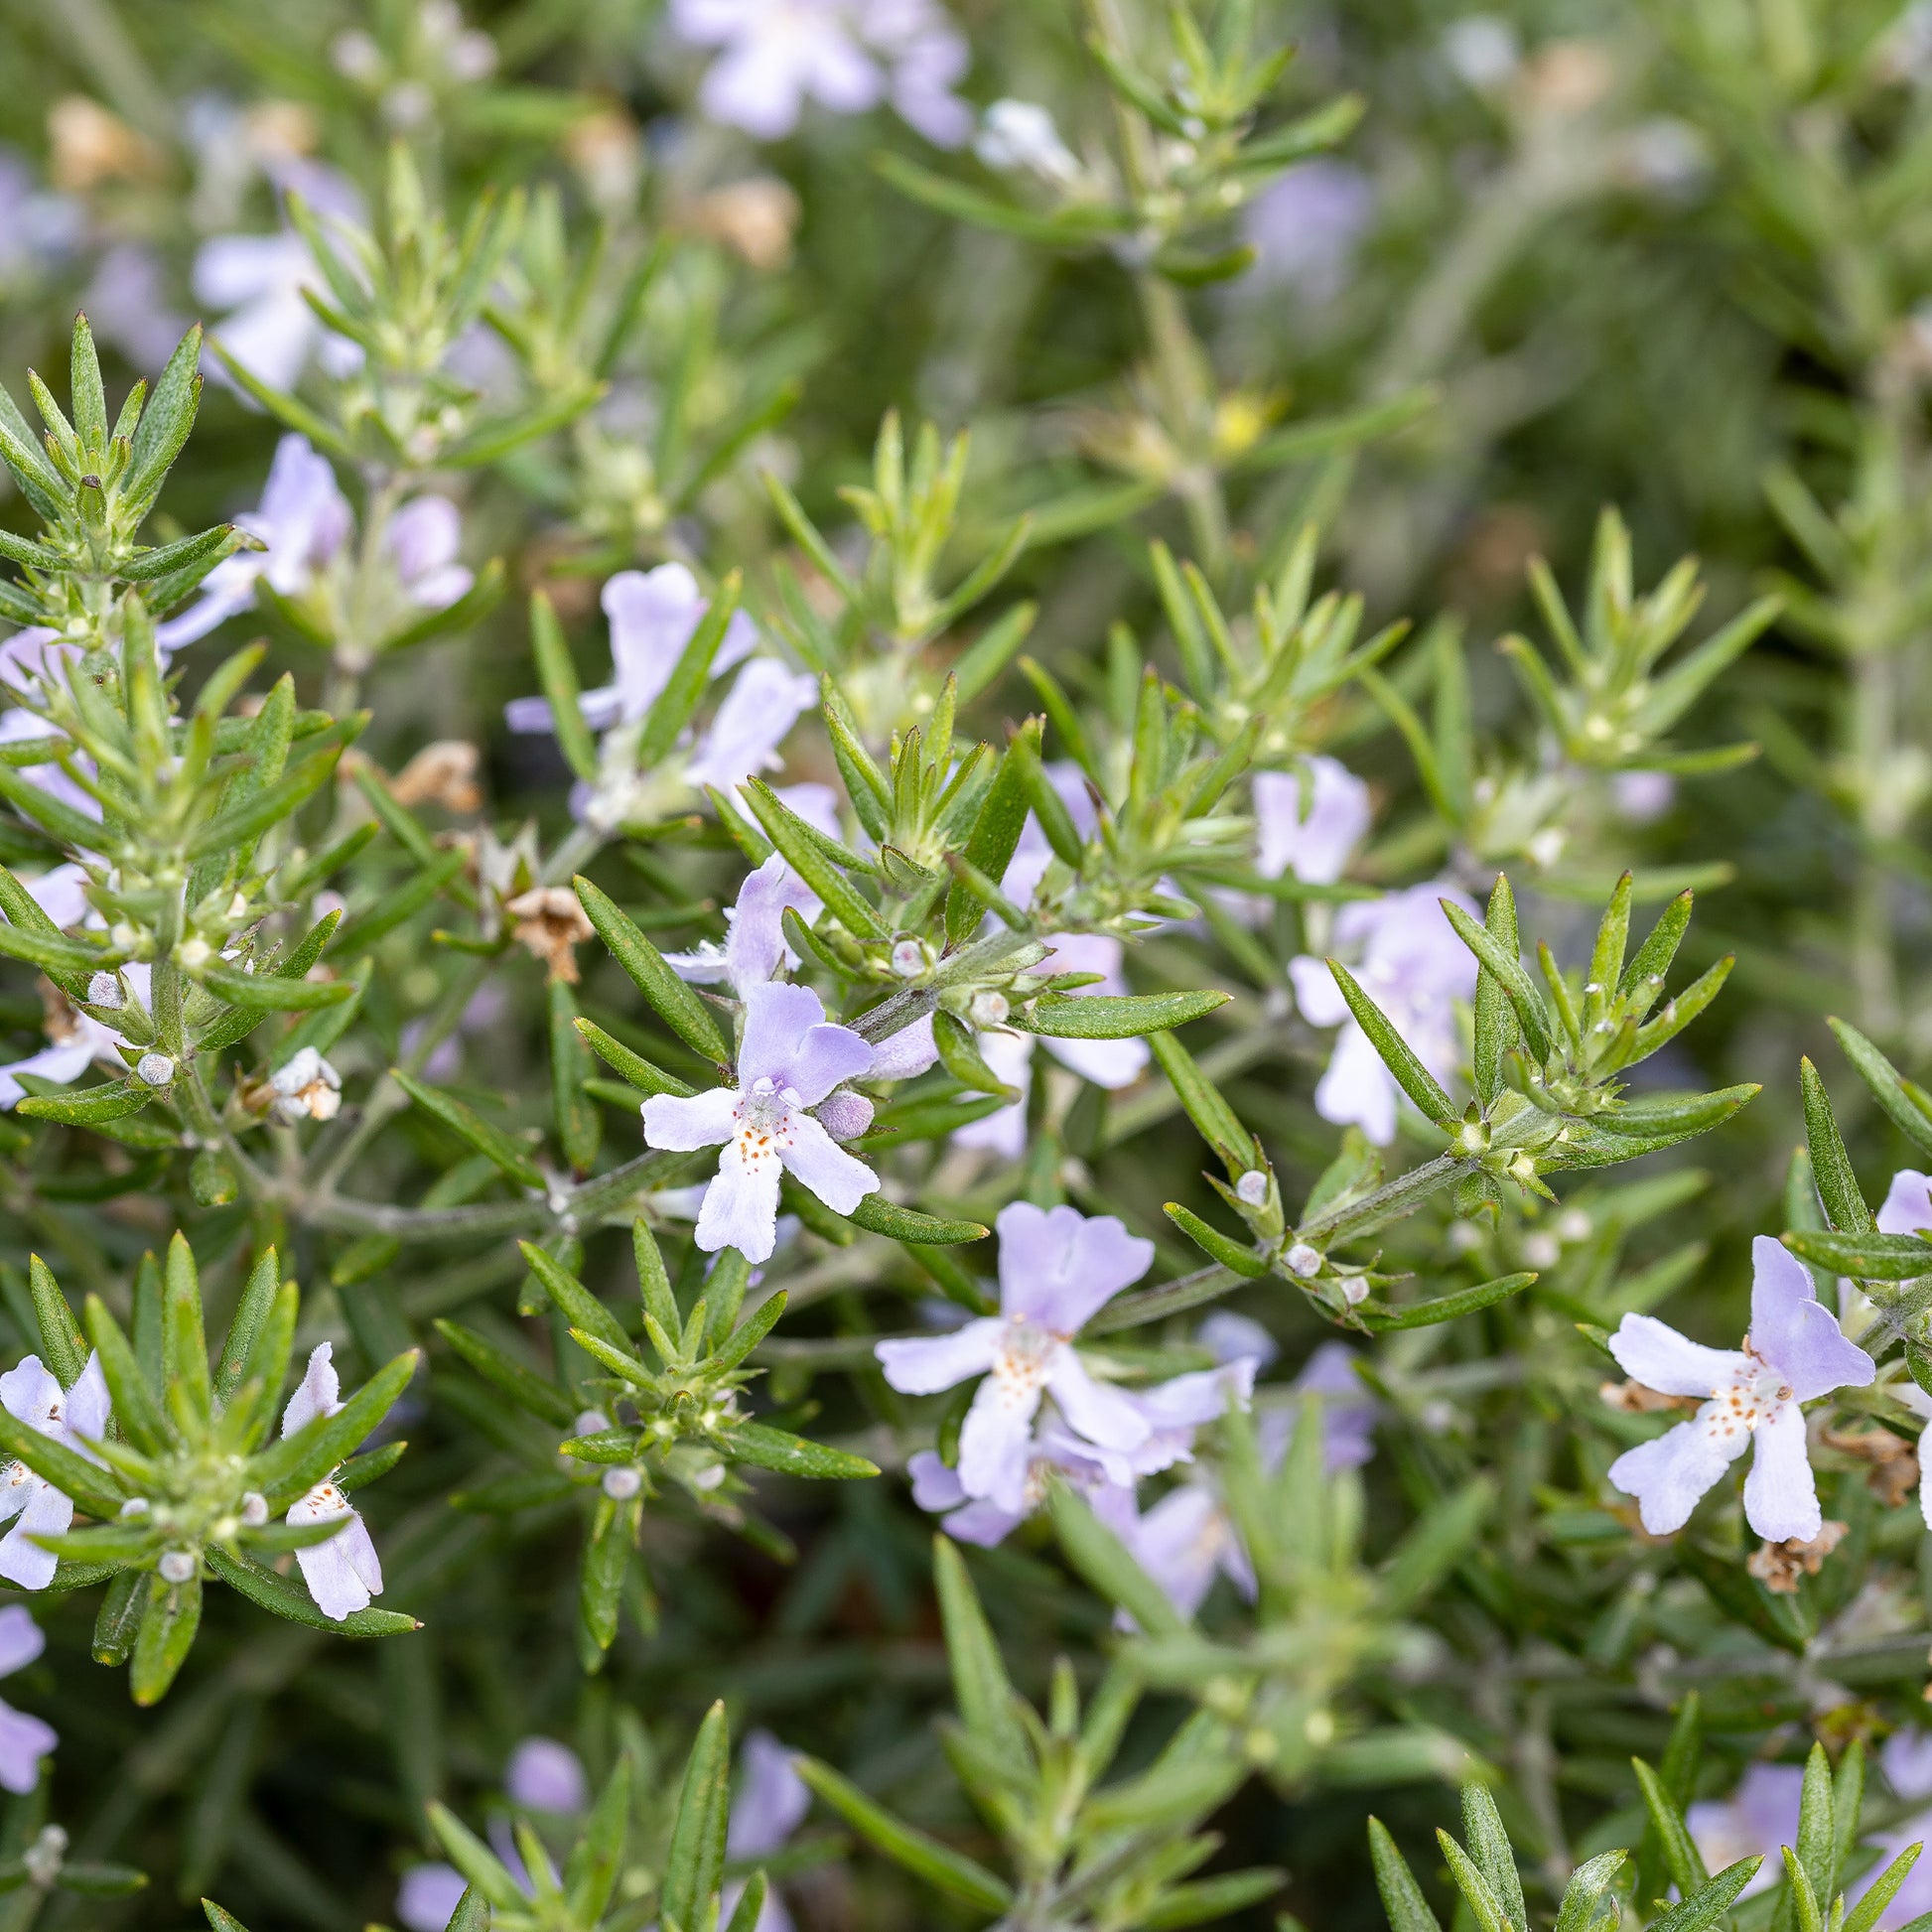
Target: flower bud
1252,1187
845,1115
176,1566
193,953
622,1483
104,990
135,1506
989,1008
1303,1260
908,958
157,1069
254,1510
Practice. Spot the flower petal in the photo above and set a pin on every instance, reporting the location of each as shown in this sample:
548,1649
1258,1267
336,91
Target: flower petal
1060,1268
1780,1497
1908,1203
1098,1410
29,1394
772,1802
778,1017
21,1638
756,947
1357,1089
1795,1332
996,1440
24,1741
741,1207
1315,991
428,1897
1669,1475
936,1486
982,1524
840,1179
344,1572
48,1513
827,1055
678,1124
1654,1353
925,1364
320,1392
1181,1544
910,1051
763,705
546,1777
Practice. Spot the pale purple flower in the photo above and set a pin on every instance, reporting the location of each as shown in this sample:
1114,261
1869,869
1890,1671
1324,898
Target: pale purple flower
653,615
1640,797
765,702
1184,1541
1308,820
38,227
75,1418
1793,1354
912,1049
304,519
1906,1760
789,1060
24,1740
1033,854
424,538
754,945
1173,1411
1004,1131
1057,1269
1410,962
1229,1337
1757,1820
344,1572
1907,1208
127,305
1347,1409
428,1897
1305,226
544,1775
847,56
258,279
771,1803
38,655
1054,1451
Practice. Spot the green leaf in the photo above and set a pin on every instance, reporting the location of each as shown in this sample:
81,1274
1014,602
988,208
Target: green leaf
1436,1544
1496,1019
766,1447
1483,1903
1868,1257
680,699
274,993
1507,969
1583,1897
1402,1897
1705,1907
63,1346
1103,1559
945,1869
1238,1256
507,1154
114,1100
1489,1847
1442,1308
529,1391
1830,1165
395,907
281,1597
1216,1122
806,851
581,1309
1103,1016
1411,1075
1882,1892
558,676
877,1215
296,1463
981,1687
670,998
1682,1859
639,1072
1887,1085
695,1863
169,1622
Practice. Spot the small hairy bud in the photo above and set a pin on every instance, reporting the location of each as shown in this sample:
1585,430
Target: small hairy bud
157,1069
989,1008
254,1510
104,990
176,1566
1303,1260
622,1483
1252,1189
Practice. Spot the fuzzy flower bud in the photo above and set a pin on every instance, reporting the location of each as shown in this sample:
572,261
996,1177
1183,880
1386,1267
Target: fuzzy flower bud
156,1069
176,1566
908,958
622,1483
1252,1187
1303,1260
104,990
989,1008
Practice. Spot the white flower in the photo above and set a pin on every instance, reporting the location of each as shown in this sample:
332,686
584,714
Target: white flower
344,1572
307,1087
75,1418
788,1061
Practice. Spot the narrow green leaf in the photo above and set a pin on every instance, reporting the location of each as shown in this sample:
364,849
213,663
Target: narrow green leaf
674,1002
